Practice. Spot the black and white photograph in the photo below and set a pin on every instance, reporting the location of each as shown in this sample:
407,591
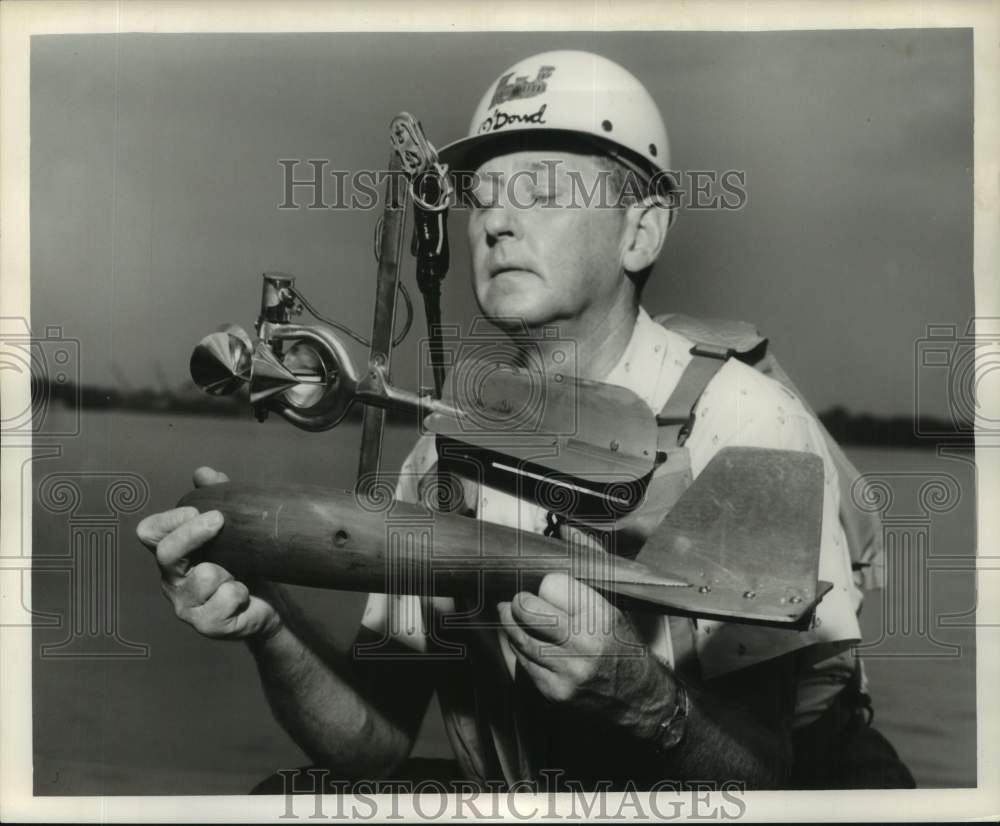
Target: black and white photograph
434,414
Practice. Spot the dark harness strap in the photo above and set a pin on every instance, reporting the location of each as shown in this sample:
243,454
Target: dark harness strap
677,417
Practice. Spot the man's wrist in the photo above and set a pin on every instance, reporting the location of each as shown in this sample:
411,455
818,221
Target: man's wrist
272,595
663,719
670,730
269,635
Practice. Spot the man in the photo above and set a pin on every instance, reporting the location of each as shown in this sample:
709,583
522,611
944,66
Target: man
562,679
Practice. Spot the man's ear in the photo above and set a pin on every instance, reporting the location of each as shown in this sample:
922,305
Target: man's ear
646,225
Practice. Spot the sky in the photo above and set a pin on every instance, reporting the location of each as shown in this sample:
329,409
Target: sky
155,187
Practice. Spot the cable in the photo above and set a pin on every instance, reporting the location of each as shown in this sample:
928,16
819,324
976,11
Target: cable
409,314
348,331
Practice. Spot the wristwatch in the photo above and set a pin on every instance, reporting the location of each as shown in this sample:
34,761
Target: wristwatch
670,732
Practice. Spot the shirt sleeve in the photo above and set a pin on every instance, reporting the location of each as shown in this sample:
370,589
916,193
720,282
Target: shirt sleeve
742,407
398,616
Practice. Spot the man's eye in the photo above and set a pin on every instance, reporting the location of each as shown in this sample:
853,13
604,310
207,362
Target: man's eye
479,198
528,194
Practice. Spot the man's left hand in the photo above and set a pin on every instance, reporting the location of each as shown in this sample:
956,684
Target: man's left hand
581,651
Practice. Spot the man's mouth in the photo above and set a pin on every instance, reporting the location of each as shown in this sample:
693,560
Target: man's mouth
506,269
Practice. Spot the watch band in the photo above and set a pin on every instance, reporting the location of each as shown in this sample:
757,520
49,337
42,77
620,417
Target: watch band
671,731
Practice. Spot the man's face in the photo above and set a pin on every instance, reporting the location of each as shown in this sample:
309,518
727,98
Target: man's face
539,254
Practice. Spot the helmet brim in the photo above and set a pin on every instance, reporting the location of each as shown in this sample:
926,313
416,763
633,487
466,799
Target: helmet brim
468,154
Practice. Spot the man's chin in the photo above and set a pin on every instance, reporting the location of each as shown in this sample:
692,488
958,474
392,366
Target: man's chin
513,315
512,305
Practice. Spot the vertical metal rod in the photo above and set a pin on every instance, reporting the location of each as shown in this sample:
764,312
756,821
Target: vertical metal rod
390,255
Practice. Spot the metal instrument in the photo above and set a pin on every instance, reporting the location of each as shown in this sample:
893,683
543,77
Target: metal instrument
742,543
597,467
304,372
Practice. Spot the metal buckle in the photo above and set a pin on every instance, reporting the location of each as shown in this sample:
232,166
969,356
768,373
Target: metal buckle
715,351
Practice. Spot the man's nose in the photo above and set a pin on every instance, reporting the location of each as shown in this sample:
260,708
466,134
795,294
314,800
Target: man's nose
501,222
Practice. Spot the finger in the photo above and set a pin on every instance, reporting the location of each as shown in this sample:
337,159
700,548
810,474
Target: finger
172,551
520,640
544,680
253,619
540,619
218,612
205,476
202,581
154,528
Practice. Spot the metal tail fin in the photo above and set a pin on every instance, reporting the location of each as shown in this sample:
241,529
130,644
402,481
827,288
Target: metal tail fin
746,536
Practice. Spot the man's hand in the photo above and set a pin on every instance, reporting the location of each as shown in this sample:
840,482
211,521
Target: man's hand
581,651
204,595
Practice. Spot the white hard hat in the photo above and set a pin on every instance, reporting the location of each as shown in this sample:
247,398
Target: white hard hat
580,94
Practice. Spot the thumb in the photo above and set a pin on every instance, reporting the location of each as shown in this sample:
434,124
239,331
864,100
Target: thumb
205,476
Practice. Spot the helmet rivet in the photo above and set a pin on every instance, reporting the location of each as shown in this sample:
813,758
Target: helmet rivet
652,149
606,125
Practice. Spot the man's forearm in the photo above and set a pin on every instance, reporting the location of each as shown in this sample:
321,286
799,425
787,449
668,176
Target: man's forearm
721,741
353,718
323,711
727,744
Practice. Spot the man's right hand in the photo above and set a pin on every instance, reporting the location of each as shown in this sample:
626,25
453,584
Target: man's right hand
204,595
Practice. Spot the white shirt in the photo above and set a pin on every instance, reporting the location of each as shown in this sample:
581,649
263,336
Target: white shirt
739,407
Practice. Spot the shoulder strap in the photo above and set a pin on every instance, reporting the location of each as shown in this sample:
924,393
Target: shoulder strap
714,341
677,416
737,338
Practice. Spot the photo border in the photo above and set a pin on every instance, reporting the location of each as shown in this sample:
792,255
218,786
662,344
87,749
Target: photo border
20,19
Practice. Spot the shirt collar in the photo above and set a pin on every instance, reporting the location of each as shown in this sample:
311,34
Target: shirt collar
640,367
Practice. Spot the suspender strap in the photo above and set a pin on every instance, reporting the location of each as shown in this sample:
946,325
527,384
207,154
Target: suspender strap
677,416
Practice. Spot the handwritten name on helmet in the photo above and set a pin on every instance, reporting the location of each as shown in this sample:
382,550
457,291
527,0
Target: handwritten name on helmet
521,87
582,93
500,119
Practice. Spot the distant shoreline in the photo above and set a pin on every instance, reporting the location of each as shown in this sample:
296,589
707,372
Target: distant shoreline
848,428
